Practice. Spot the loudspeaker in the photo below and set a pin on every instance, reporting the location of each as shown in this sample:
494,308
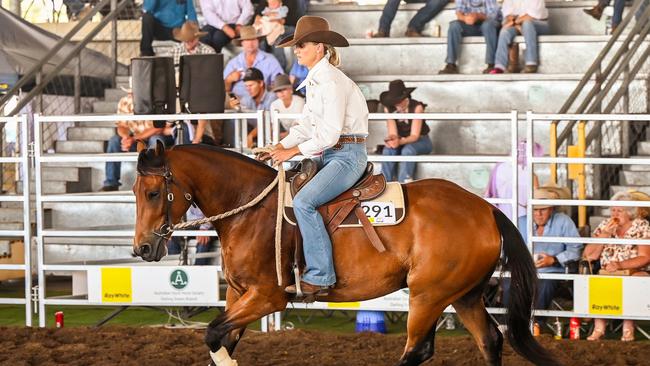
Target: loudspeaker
154,85
202,89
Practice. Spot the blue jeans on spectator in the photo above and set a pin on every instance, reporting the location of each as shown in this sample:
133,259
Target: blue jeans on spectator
174,247
340,170
406,170
419,20
74,6
216,38
530,30
619,7
489,29
114,168
545,293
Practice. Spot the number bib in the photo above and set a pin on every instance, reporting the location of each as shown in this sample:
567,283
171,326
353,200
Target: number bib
379,212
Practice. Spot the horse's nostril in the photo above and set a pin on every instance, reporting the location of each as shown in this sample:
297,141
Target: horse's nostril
145,249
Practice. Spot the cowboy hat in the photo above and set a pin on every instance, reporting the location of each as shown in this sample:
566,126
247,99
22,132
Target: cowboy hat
188,32
314,29
247,32
550,193
397,91
281,82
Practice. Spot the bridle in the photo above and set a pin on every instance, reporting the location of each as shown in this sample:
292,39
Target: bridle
166,229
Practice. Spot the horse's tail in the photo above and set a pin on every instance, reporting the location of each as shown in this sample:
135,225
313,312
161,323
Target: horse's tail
523,282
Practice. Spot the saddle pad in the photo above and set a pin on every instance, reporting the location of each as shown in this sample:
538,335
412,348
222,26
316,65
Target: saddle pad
385,210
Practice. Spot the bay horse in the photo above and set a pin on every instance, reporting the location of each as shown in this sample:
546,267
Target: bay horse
445,251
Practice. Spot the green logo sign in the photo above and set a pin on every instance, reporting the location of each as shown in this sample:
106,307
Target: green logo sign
178,279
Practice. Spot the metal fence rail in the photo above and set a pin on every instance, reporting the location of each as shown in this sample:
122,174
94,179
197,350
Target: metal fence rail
24,162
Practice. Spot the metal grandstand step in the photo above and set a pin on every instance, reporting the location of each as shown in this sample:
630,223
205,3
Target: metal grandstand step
105,107
90,133
634,178
114,95
643,148
638,167
84,146
565,17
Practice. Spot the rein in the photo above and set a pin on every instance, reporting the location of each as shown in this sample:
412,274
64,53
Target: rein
165,231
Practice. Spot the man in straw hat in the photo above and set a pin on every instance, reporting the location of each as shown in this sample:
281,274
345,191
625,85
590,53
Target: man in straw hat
224,19
405,137
251,56
333,128
549,257
287,102
159,18
189,35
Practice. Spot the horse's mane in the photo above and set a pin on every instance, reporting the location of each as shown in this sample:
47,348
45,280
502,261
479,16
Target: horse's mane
149,162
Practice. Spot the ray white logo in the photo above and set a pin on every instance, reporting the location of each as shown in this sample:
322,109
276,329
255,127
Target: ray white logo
178,279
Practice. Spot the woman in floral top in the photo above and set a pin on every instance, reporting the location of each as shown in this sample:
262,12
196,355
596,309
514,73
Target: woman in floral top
624,223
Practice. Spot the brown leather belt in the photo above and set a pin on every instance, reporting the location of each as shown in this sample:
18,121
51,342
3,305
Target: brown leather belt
348,140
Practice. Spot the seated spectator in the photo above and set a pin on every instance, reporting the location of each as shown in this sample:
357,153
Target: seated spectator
619,5
549,257
204,244
160,17
297,74
189,35
474,18
251,56
500,183
224,19
127,133
526,17
270,22
256,99
405,137
417,23
287,103
624,223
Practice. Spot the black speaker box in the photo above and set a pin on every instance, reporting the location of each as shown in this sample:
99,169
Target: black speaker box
202,88
154,85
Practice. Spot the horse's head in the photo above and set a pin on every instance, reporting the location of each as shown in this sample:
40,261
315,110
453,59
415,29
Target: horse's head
160,202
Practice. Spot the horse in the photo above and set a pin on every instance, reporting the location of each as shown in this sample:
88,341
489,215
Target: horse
445,251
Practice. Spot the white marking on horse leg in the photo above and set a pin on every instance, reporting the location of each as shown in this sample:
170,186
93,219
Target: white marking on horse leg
222,358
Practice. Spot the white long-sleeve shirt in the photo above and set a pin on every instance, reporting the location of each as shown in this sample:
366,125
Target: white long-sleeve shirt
335,106
218,13
534,8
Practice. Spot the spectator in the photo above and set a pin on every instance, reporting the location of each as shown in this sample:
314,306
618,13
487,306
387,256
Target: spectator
251,56
204,244
224,19
526,17
256,98
417,23
127,133
624,223
549,257
160,17
405,137
271,22
474,18
500,183
619,5
297,74
189,35
287,102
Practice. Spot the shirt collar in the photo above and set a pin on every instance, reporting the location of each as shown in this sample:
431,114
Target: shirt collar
312,75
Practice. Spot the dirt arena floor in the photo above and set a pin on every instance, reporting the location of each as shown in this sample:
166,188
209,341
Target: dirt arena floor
156,346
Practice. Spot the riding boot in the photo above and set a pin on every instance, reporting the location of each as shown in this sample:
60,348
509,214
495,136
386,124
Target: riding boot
513,58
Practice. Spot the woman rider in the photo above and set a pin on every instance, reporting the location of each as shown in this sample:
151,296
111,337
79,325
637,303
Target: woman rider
333,129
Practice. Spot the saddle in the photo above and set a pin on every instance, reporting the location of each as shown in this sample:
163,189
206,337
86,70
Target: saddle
369,186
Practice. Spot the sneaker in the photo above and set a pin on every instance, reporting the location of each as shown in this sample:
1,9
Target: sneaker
529,69
496,70
109,188
449,69
488,68
413,33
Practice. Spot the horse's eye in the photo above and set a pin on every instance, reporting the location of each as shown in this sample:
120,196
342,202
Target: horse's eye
153,194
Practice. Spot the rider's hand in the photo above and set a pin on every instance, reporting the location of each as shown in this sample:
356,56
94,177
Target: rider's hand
280,154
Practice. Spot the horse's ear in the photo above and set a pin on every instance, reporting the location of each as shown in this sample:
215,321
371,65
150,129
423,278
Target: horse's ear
140,145
160,148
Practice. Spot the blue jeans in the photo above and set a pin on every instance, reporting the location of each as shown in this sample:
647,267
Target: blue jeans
544,296
619,7
340,170
489,29
74,6
216,38
530,30
406,170
419,20
114,168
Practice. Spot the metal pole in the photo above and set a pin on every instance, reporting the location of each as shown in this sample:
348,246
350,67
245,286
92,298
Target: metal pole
515,167
530,141
553,151
27,237
77,85
39,98
582,182
39,220
114,45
